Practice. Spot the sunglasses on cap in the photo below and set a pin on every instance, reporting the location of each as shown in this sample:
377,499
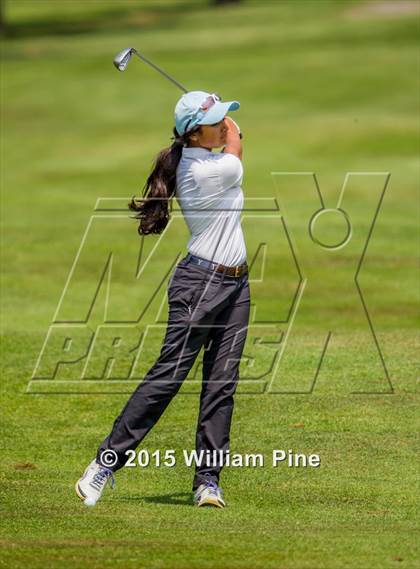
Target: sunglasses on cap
210,101
205,106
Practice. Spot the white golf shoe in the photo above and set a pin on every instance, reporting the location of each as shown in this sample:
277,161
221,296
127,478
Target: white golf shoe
90,486
209,494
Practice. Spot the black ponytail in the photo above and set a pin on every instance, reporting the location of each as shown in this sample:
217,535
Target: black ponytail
153,209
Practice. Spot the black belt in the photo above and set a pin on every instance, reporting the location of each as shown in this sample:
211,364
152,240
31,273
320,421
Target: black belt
236,271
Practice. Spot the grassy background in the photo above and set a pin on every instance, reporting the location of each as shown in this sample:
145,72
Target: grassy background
324,86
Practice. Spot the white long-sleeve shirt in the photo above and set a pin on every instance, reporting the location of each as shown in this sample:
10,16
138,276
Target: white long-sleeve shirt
208,189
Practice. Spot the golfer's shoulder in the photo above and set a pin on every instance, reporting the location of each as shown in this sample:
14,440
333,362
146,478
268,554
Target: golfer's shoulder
224,166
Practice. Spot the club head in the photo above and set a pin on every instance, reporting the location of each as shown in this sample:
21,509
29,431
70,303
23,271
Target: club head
122,58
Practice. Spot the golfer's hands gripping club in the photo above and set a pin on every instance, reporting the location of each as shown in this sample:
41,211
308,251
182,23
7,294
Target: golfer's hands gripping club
229,119
233,138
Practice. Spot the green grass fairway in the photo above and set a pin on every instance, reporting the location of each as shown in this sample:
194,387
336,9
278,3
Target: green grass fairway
326,88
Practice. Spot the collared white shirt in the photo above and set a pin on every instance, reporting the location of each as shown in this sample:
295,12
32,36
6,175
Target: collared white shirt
208,189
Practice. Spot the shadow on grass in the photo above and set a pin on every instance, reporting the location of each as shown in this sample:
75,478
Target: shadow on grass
178,499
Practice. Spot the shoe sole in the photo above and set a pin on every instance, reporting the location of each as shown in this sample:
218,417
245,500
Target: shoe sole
212,502
79,492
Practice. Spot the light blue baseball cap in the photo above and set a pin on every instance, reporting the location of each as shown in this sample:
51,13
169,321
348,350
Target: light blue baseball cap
198,107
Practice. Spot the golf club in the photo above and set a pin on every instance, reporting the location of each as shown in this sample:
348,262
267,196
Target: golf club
122,59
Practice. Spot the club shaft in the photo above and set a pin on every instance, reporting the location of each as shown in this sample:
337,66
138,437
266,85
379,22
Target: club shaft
159,70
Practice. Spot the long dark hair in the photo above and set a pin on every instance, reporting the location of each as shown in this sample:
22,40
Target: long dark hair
153,208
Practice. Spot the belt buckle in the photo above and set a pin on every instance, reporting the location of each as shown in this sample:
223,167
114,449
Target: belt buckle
237,271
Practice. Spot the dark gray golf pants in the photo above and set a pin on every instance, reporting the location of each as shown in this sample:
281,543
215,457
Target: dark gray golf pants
209,309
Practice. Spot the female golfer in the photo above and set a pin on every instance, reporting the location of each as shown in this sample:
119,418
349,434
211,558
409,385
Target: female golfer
208,294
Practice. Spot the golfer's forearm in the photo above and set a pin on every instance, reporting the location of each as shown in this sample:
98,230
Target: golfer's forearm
235,149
